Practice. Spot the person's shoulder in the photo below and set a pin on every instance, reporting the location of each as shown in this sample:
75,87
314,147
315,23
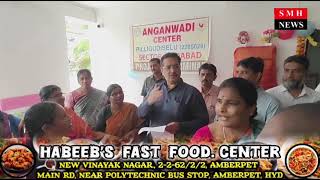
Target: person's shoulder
315,94
148,78
275,89
204,128
75,91
191,88
318,88
69,111
99,90
268,97
131,105
73,94
214,87
311,91
2,114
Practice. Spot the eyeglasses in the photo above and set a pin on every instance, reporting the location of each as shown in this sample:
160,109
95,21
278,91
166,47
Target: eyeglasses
175,67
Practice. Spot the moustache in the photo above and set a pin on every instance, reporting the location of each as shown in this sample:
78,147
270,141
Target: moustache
206,81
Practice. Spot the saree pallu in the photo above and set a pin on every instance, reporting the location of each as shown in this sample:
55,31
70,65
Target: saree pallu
80,129
205,134
86,105
120,123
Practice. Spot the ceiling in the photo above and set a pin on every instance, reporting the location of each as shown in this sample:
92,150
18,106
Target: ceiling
105,4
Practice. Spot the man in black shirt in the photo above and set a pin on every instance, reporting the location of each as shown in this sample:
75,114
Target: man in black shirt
174,103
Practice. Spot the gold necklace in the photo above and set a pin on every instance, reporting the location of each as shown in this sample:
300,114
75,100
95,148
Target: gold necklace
224,136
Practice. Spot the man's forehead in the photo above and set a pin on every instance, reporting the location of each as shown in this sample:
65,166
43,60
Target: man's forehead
206,71
243,68
170,60
153,63
293,65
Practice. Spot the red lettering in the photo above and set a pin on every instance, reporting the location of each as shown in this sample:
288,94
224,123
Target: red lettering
141,57
168,30
182,56
181,28
156,31
178,38
187,55
291,13
163,39
199,55
188,27
175,28
144,32
161,30
190,55
150,31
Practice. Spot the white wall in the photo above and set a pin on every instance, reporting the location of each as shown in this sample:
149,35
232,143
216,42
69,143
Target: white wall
33,49
111,49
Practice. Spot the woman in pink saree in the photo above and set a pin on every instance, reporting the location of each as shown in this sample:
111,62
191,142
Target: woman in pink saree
86,100
235,109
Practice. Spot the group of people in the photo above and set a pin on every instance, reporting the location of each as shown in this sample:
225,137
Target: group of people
236,111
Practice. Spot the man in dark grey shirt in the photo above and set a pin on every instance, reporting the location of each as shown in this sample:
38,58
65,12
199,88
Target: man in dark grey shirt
174,103
156,76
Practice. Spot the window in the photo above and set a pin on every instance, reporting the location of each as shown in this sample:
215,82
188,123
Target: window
78,48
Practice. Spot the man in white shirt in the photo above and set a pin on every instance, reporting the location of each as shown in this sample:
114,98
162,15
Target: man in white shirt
251,69
293,90
207,74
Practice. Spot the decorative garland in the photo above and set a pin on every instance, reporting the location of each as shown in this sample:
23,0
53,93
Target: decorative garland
243,37
301,44
312,41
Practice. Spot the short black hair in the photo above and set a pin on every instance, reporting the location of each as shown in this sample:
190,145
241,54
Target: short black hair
157,60
208,66
38,115
83,71
171,55
303,60
255,64
245,88
47,91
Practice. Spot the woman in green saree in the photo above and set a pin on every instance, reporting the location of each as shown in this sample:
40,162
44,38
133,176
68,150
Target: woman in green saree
86,100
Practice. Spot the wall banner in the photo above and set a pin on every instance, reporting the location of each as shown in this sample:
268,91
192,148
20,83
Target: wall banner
189,38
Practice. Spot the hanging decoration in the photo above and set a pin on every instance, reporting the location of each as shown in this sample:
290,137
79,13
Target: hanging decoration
312,41
285,34
243,37
268,35
301,43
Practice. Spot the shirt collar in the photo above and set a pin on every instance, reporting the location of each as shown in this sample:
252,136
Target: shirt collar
210,92
305,90
282,88
180,82
154,78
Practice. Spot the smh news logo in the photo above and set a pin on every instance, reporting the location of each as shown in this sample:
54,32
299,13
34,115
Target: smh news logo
290,18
